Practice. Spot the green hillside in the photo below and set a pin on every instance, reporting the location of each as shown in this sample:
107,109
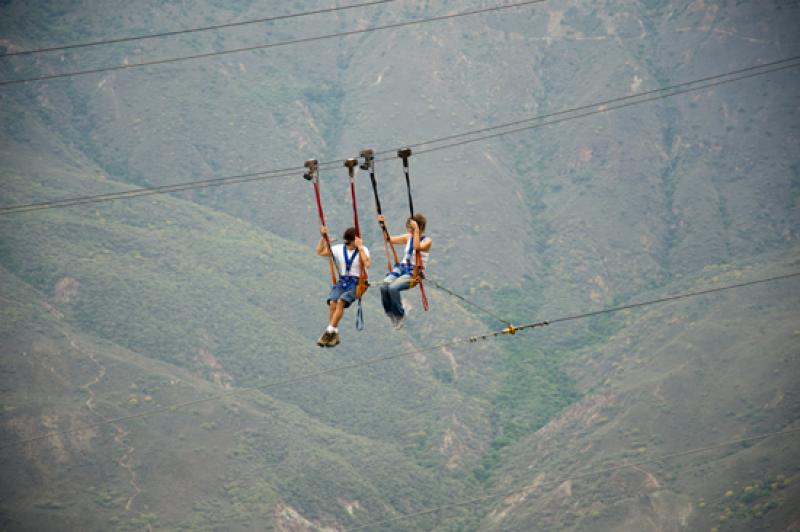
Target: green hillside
232,463
114,309
681,376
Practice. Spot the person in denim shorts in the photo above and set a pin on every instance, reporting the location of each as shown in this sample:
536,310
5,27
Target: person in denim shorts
349,258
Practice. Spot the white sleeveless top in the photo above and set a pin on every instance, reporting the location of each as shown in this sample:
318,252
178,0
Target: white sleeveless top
338,257
410,256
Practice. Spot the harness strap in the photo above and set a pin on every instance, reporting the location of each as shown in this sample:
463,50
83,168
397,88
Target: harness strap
386,248
411,252
348,261
322,221
347,282
369,163
359,316
363,280
408,183
404,154
423,295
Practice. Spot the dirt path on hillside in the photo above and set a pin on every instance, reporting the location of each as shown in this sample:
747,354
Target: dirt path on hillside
126,461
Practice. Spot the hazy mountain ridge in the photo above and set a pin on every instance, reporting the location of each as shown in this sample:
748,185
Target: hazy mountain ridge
560,220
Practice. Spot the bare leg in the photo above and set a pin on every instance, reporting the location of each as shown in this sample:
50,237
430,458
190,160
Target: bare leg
337,312
331,310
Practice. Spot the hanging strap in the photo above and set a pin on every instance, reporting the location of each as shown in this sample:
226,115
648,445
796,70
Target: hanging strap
423,296
404,154
369,164
363,280
313,176
359,316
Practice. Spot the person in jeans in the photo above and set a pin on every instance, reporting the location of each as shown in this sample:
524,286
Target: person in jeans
349,258
401,277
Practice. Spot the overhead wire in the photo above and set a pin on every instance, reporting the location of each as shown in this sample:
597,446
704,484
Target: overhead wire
598,472
369,362
600,107
290,171
611,101
149,191
481,308
605,109
302,40
191,30
630,306
286,172
262,175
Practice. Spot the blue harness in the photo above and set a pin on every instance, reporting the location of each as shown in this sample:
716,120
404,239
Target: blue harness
405,267
347,281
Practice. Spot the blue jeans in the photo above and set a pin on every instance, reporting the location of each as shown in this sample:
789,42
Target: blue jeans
390,295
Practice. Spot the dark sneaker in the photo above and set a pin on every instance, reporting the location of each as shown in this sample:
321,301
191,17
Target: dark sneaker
324,339
333,341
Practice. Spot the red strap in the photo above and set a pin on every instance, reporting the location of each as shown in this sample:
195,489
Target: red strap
388,261
418,277
363,279
327,240
355,207
423,296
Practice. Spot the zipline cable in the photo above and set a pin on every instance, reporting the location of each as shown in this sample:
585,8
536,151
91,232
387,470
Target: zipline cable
265,46
192,30
557,482
510,330
446,290
600,107
150,191
611,101
611,310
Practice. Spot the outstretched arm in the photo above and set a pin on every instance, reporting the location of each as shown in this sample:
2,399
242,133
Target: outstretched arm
399,239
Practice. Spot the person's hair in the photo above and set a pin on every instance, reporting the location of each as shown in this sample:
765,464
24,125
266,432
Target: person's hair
350,234
420,219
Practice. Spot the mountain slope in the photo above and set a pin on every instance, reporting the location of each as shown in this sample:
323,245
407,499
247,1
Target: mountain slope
234,461
221,288
679,376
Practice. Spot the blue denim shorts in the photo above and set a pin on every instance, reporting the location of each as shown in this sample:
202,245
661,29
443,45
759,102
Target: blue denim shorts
339,293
